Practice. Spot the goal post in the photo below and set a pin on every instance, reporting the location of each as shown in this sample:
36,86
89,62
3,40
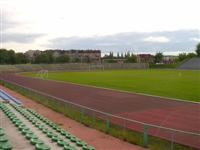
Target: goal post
96,67
42,74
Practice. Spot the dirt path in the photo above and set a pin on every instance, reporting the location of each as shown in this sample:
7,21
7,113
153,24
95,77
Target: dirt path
93,137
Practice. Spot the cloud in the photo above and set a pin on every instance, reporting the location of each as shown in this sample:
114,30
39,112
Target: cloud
8,24
195,39
19,37
10,30
7,21
157,39
166,41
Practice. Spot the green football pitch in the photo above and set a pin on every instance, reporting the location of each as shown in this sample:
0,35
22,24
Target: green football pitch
180,84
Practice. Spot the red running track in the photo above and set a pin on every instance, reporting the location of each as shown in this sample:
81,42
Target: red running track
153,110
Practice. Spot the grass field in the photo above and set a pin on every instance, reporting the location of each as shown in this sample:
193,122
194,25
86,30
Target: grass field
179,84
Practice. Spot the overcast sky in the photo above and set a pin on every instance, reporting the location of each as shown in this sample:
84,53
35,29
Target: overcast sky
169,26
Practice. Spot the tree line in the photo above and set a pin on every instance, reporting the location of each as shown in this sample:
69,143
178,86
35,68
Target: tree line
47,57
127,57
132,58
10,57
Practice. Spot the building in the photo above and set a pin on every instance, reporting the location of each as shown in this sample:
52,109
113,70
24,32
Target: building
75,56
32,54
84,56
91,56
169,59
145,58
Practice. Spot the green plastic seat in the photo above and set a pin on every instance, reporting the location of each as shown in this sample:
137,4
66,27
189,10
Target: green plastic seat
21,127
62,143
67,135
34,121
47,122
41,127
30,118
68,147
50,134
25,131
55,138
37,124
58,129
6,146
54,127
1,132
36,141
17,124
62,131
73,139
15,120
3,139
45,130
31,136
51,124
88,148
12,117
42,147
80,143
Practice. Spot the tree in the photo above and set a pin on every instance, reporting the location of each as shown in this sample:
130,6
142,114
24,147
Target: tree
127,55
42,58
131,58
3,56
158,57
182,56
191,55
118,55
62,59
198,50
20,58
122,56
7,56
111,55
76,60
11,57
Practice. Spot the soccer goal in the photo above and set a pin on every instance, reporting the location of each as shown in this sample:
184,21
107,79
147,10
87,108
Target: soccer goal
43,74
96,67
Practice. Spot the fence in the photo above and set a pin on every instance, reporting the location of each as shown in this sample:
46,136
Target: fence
110,123
71,67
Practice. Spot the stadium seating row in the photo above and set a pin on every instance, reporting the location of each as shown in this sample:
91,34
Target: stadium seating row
4,142
26,131
62,138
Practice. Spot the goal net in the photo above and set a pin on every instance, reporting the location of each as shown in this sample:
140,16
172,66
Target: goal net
43,74
96,67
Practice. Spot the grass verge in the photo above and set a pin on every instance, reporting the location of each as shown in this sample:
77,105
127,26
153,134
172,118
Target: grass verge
95,122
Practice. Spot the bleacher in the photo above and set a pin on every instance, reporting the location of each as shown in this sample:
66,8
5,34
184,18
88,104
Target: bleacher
7,97
192,64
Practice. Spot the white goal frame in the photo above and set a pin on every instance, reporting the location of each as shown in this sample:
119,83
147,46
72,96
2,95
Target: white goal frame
43,74
96,67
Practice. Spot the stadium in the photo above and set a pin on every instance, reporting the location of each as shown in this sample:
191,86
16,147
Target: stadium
99,75
153,108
